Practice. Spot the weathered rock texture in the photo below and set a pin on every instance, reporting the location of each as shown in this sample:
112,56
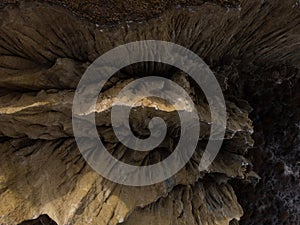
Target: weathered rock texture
253,47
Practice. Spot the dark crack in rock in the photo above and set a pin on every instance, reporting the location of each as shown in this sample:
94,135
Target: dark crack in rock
41,220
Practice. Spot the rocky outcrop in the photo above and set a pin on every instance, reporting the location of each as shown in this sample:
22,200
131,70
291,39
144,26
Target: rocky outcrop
46,46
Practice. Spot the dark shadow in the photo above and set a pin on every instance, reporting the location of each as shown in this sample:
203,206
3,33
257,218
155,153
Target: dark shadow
41,220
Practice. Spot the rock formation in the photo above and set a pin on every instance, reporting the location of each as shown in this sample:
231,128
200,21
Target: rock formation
253,48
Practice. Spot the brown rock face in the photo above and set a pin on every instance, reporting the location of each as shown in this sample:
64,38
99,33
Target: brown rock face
253,48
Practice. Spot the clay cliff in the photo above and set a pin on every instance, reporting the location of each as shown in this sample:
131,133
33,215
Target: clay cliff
253,49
